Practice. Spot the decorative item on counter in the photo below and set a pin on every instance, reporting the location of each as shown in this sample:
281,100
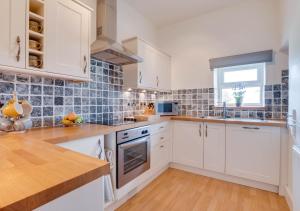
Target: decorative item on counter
72,119
16,115
150,110
239,93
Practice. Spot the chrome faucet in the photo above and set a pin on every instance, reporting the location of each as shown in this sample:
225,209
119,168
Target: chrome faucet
224,110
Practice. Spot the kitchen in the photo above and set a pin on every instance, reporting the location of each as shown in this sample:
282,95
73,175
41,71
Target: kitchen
149,105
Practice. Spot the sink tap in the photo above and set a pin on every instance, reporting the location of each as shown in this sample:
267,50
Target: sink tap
224,110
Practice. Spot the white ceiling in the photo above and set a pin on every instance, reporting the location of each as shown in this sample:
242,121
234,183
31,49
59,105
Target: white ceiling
166,12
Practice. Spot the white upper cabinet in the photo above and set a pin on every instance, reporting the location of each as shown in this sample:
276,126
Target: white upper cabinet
188,144
253,152
12,36
214,147
67,38
153,73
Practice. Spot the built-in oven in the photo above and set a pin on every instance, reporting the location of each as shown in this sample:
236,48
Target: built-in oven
133,154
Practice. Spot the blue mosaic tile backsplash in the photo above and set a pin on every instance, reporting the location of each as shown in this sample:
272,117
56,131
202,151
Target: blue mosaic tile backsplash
104,100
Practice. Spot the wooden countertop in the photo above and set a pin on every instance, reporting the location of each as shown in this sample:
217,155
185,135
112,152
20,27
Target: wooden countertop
257,122
34,171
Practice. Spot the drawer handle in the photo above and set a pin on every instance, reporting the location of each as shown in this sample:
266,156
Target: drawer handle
85,64
200,129
162,127
141,77
251,128
100,149
19,48
162,146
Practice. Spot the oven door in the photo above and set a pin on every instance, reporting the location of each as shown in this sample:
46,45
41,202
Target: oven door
133,159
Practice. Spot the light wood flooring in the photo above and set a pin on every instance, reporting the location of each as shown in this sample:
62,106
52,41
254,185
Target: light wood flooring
177,190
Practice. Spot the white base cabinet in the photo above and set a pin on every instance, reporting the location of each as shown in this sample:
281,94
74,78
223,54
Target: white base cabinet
89,197
161,146
214,147
253,153
188,144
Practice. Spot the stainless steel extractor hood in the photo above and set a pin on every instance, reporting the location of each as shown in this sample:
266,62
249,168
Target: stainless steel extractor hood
106,48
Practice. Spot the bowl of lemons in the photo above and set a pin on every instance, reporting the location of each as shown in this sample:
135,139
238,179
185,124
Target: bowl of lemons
72,119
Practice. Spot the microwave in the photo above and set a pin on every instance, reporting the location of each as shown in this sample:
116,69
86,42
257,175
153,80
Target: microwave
167,108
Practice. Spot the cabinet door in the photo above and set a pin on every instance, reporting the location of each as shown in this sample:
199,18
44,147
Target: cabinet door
214,147
67,38
147,68
253,152
163,71
187,144
12,36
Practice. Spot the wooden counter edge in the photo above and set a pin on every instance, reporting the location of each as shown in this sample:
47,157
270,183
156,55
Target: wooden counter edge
54,192
273,123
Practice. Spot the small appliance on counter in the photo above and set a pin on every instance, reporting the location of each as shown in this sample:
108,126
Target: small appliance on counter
167,108
16,115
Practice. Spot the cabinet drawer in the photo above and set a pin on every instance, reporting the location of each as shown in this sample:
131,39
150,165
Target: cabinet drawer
158,128
158,138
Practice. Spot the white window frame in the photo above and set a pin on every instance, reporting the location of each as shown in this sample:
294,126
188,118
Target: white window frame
219,83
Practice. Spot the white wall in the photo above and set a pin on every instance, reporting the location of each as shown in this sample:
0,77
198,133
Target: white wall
242,28
130,22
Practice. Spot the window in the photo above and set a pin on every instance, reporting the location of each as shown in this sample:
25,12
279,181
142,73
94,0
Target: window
250,77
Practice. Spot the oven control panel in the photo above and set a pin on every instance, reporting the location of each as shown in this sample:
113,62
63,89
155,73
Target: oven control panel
131,134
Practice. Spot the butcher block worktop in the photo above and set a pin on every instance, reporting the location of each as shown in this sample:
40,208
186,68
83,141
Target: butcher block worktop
34,171
239,121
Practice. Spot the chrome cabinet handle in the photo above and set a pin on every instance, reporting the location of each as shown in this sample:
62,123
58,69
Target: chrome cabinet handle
200,130
157,81
162,146
19,48
162,138
251,128
85,64
206,131
100,149
141,77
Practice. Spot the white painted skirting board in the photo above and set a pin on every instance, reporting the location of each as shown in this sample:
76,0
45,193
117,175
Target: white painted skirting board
227,178
289,198
120,202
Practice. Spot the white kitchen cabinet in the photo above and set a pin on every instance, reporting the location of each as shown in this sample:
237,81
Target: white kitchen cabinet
161,146
12,36
214,147
67,34
89,196
188,144
253,152
153,73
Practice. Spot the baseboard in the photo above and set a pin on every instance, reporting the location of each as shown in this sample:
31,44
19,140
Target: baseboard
227,178
289,197
135,190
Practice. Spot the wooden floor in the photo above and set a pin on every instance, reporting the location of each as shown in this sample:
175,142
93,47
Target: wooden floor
178,190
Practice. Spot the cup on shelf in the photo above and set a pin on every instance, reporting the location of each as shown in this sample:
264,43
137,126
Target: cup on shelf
35,26
35,61
33,44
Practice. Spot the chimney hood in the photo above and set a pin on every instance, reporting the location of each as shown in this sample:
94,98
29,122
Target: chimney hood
106,48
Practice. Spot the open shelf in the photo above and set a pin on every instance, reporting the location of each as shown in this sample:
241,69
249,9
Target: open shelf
36,18
35,35
36,52
37,7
